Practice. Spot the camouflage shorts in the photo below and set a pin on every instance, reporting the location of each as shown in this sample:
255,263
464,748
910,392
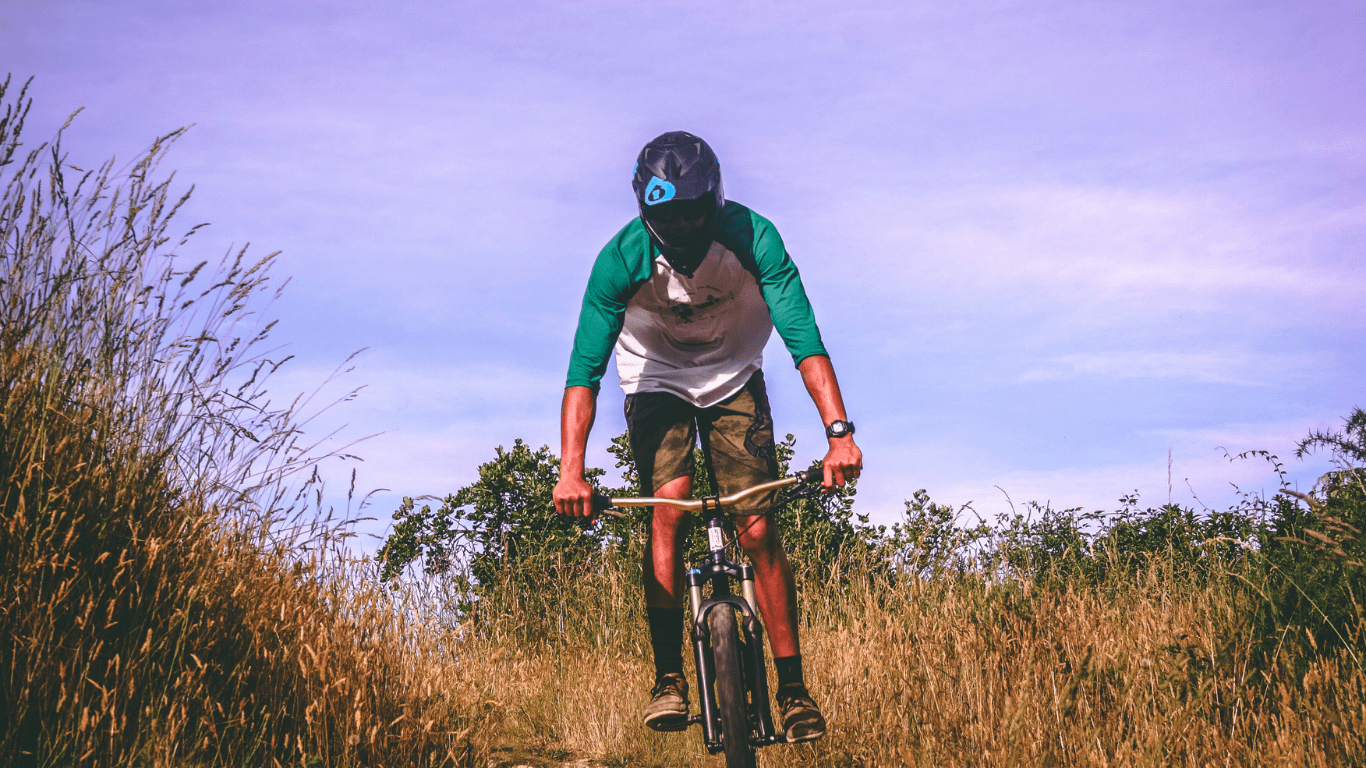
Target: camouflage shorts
736,434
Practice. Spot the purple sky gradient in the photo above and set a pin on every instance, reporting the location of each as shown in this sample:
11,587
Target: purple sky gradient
1046,241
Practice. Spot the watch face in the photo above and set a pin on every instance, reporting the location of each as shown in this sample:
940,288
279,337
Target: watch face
839,428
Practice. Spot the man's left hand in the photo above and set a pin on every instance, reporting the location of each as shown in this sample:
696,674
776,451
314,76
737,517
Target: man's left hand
843,462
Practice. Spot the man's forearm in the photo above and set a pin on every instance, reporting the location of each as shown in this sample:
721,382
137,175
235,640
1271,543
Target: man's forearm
576,421
844,461
819,376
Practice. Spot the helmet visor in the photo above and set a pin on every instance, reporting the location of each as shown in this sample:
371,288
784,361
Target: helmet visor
682,223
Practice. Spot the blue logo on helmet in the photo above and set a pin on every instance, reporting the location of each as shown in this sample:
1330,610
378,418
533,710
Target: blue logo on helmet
658,191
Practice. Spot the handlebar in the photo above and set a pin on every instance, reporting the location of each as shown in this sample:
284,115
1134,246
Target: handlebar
813,476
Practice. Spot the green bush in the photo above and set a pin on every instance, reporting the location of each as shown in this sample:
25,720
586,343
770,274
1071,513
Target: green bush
503,522
498,542
1313,551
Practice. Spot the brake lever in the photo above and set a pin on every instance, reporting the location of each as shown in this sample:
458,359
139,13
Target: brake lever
804,491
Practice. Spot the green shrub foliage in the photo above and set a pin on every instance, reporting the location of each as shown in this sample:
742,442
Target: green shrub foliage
502,531
1314,553
504,522
1299,556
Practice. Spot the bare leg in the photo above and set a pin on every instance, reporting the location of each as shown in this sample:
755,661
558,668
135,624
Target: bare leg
663,566
773,583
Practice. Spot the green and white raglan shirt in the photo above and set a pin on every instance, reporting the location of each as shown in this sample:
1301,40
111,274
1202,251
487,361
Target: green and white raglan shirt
698,337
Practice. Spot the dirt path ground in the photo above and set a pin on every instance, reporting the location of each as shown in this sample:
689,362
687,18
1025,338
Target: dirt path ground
539,758
583,763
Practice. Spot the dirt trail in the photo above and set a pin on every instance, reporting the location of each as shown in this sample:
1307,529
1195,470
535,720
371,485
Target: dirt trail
519,757
583,763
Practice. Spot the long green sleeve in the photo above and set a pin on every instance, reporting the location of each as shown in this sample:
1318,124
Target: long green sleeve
621,267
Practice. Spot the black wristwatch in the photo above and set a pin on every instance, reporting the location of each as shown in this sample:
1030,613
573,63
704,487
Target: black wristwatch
839,428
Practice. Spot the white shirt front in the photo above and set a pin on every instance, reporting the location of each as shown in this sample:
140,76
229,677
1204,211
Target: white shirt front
698,337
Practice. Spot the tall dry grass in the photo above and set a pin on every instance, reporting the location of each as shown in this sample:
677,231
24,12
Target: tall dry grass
171,596
952,668
1141,637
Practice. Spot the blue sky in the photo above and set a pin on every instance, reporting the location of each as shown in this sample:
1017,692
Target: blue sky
1047,242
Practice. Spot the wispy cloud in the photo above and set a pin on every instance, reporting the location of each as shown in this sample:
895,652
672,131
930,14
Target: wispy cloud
1243,369
1119,251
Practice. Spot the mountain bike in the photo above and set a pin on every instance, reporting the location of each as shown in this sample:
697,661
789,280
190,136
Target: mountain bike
731,677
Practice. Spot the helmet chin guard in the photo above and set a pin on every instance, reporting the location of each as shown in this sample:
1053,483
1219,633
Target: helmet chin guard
678,189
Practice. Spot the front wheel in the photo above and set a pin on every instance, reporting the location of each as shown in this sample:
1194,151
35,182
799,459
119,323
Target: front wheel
730,689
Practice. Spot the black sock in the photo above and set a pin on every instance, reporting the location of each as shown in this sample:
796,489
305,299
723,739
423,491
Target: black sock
789,669
666,637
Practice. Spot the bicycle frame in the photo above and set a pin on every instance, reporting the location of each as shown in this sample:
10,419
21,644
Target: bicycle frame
718,570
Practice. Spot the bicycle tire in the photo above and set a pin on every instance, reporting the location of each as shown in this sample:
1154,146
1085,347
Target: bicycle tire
730,689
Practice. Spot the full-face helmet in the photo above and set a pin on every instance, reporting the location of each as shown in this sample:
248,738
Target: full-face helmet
678,188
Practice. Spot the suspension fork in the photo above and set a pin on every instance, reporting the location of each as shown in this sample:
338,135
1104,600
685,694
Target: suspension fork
717,570
755,670
706,669
756,674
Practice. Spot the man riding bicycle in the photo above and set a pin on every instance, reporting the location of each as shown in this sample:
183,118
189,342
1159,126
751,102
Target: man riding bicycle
689,293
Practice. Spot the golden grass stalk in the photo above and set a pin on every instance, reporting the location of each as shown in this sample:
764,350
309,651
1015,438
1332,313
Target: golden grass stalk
169,596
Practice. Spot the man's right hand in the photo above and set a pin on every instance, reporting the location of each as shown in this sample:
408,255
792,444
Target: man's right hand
574,497
573,494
